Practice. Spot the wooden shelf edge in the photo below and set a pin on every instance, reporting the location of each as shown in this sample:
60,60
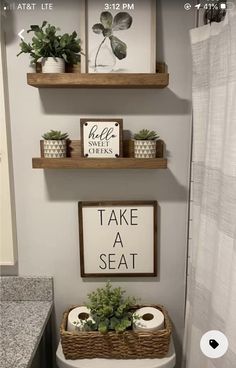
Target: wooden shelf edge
112,80
85,163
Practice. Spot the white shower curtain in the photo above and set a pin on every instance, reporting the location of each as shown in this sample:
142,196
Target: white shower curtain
211,296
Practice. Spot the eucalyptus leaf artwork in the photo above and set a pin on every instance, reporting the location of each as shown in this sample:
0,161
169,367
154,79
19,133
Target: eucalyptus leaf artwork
107,26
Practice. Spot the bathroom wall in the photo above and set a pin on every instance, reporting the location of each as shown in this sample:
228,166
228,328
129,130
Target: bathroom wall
46,201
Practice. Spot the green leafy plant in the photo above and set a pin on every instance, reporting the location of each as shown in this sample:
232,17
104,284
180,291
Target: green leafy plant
55,135
85,325
107,26
110,309
47,43
146,135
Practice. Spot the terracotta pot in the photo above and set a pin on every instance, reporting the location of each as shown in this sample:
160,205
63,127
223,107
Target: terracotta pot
38,67
76,68
73,68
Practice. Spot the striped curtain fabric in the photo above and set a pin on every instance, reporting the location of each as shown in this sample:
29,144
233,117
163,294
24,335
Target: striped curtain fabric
211,295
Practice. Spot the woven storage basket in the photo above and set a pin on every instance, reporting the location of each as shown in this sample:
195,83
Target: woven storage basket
127,345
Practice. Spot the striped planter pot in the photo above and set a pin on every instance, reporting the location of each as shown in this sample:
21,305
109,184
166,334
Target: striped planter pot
53,65
144,149
54,149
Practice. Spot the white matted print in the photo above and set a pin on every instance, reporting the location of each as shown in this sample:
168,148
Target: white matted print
121,36
101,138
118,238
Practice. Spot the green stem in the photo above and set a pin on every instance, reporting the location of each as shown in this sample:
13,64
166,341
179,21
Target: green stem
99,48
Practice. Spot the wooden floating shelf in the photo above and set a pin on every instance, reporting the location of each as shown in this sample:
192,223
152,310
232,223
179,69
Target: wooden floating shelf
95,163
112,80
76,161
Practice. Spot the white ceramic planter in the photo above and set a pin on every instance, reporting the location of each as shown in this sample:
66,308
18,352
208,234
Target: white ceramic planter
53,65
54,148
144,149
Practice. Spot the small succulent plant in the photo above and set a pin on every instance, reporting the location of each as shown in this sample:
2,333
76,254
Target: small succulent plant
55,135
146,135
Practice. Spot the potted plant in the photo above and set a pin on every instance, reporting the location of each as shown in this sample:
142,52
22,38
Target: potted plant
110,310
108,329
55,144
145,144
51,49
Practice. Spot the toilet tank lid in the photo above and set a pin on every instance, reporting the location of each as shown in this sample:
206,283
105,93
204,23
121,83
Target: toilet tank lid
167,362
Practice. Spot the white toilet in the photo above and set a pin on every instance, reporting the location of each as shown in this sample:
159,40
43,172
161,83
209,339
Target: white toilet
167,362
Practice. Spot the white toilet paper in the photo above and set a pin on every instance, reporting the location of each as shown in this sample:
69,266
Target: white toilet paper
150,319
76,318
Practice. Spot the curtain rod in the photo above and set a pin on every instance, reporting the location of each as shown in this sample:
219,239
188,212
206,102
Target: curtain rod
215,12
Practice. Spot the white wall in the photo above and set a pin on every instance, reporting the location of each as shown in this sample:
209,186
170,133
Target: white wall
46,201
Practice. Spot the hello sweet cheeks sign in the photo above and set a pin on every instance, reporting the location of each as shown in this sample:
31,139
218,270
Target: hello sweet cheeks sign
118,238
101,138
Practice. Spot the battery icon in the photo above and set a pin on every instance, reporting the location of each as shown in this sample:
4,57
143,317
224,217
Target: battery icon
223,5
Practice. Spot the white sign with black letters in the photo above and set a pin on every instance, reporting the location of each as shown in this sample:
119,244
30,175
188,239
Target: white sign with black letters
118,238
101,138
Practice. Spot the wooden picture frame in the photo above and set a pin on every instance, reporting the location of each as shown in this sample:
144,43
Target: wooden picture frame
118,238
143,13
101,138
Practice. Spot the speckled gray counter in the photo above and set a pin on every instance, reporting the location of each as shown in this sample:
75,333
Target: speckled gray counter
20,288
23,321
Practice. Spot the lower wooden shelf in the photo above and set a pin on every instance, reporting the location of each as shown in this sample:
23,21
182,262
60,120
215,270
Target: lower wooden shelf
75,161
95,163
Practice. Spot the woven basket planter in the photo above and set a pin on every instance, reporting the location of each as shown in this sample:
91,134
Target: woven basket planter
127,345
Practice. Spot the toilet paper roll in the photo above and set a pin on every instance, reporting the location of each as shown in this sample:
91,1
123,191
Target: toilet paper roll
77,317
149,319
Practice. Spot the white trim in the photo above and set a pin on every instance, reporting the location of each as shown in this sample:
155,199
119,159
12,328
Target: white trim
83,35
8,245
8,264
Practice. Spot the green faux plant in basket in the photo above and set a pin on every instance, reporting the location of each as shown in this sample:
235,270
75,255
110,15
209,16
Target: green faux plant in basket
110,310
114,334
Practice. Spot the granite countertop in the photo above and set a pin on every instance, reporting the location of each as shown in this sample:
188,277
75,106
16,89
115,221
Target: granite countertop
22,322
21,328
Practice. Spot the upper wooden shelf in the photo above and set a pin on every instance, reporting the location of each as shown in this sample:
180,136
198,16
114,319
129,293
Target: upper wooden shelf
112,80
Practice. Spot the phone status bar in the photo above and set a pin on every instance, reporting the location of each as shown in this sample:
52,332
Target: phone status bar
21,6
210,6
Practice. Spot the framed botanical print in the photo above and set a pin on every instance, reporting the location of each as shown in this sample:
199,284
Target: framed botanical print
120,37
